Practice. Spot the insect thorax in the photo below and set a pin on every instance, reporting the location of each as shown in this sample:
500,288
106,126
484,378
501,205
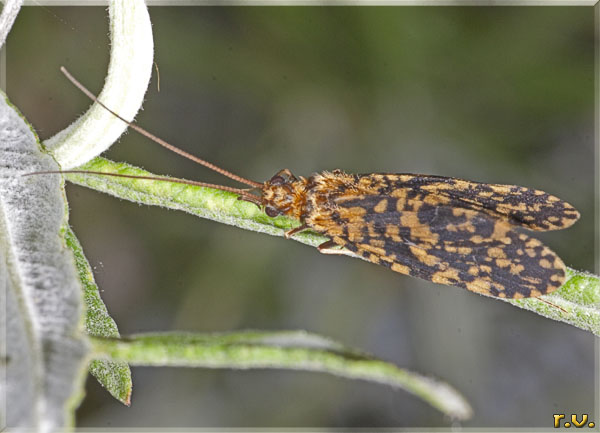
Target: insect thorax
304,198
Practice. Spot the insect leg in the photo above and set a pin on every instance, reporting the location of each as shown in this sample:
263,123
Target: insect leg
292,232
330,247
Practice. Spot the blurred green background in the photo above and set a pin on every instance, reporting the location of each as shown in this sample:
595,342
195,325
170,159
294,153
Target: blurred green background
494,94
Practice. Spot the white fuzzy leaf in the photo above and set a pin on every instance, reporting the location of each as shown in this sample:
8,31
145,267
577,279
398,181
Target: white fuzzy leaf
7,18
129,71
44,350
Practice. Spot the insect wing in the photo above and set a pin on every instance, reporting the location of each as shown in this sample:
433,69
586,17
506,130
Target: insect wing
447,244
526,207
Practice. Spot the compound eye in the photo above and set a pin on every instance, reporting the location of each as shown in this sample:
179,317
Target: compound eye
271,211
277,180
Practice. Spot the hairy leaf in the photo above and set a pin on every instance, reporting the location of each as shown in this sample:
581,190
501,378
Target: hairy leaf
294,350
114,376
44,354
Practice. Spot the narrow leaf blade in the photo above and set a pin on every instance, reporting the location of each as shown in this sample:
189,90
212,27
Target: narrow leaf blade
114,376
287,350
216,205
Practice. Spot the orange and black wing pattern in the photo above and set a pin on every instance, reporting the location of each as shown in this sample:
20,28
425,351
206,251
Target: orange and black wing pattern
526,207
446,230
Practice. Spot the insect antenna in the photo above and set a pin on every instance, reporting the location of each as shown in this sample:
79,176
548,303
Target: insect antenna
245,195
160,141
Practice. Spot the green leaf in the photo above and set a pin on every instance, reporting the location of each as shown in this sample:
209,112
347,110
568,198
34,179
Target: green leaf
44,350
114,376
207,203
577,302
295,350
579,296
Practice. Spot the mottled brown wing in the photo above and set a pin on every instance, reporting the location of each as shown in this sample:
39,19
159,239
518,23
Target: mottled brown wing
526,207
446,244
